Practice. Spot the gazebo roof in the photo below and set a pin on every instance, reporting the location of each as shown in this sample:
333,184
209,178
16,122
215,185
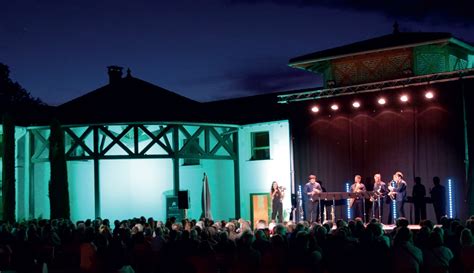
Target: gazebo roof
395,40
128,99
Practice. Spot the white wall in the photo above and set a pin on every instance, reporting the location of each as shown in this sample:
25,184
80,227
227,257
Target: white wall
135,187
256,176
220,175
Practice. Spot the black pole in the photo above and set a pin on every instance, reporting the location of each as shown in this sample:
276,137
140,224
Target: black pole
96,173
236,174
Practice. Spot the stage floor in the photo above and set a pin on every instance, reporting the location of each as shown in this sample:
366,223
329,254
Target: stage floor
389,228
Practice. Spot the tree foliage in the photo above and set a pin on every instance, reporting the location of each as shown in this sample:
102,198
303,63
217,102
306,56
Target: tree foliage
12,94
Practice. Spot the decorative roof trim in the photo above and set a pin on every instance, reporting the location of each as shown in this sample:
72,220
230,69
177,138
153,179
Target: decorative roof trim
296,64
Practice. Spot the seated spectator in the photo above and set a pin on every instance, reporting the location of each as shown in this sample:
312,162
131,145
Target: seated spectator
437,257
406,258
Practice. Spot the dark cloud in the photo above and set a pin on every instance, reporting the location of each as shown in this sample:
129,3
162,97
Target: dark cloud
272,80
431,11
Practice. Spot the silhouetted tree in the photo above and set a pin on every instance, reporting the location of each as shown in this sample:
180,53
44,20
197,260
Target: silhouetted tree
58,186
8,169
14,101
12,94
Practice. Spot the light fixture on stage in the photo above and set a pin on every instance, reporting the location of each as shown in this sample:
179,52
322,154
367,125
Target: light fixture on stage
404,98
450,199
315,109
349,216
382,101
334,107
429,95
356,104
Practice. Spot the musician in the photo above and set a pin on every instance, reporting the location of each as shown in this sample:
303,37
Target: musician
398,192
380,192
358,205
277,193
311,206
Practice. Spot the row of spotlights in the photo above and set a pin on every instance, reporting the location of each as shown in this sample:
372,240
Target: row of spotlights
381,101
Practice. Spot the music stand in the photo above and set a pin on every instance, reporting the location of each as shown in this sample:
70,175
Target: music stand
319,196
328,196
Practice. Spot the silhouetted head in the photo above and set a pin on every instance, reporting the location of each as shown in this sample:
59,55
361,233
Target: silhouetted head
417,180
402,235
436,181
466,237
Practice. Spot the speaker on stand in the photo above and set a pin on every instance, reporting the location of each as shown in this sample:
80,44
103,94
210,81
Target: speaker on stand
183,202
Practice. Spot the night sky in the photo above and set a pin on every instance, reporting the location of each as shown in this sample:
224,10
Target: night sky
205,50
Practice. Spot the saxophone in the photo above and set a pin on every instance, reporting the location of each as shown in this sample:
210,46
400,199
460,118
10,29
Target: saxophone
352,200
392,193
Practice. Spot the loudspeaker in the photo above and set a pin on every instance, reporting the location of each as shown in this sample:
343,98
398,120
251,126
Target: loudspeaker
183,200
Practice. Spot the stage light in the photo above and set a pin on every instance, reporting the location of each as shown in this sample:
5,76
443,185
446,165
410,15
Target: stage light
356,104
429,95
315,109
394,206
450,199
349,216
334,107
382,101
404,98
299,204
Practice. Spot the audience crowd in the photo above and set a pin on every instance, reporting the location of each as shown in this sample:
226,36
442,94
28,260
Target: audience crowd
205,246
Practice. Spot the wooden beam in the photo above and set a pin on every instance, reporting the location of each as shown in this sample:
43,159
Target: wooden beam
116,140
156,139
190,139
221,142
35,158
78,141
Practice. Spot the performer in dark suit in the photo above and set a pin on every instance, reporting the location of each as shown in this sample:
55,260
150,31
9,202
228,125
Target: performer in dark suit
380,193
398,192
311,206
358,205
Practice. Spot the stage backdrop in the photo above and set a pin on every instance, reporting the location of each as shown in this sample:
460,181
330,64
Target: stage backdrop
421,138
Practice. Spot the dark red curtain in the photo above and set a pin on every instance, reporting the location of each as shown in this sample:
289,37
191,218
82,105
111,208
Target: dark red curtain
420,138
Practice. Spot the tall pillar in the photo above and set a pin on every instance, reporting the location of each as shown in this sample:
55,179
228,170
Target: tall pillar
96,173
235,144
175,160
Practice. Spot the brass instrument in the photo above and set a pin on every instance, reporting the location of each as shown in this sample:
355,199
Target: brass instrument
376,196
392,193
352,200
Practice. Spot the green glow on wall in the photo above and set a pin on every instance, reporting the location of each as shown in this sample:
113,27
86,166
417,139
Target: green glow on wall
81,189
221,183
135,187
41,175
256,176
